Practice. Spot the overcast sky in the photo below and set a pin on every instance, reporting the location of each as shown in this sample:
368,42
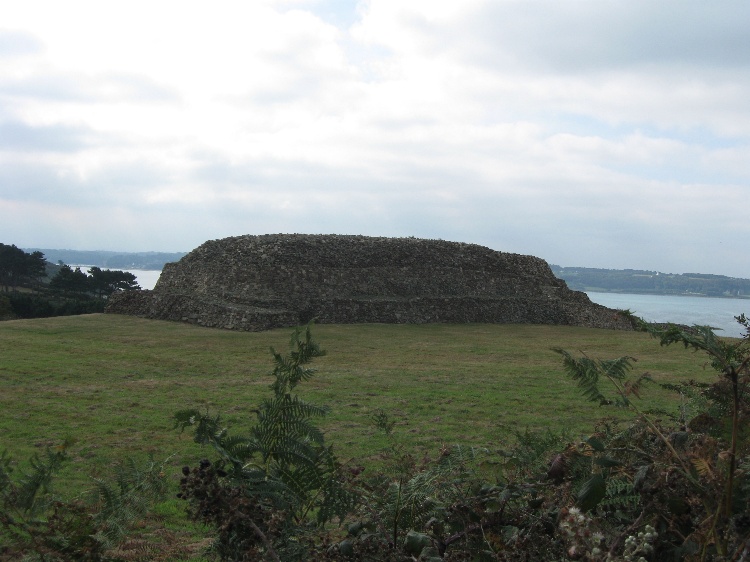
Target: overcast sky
594,133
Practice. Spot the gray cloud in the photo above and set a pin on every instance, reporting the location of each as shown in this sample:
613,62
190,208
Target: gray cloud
53,182
38,184
21,137
606,36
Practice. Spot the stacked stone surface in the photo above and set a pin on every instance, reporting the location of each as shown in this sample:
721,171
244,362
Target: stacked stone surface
261,282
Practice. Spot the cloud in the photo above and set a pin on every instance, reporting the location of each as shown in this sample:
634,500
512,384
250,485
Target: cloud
22,137
611,134
586,37
108,87
15,43
676,65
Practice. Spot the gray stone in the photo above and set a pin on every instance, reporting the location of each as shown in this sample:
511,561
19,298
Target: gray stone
262,282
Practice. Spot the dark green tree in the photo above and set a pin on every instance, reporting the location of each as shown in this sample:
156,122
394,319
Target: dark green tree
104,282
19,268
71,282
36,267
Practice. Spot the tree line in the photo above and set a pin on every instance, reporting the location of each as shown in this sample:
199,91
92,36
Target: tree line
111,260
651,282
28,291
17,268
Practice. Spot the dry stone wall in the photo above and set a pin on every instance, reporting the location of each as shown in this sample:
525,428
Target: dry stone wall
262,282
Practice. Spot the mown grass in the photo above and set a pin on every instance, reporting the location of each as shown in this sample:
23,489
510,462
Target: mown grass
113,383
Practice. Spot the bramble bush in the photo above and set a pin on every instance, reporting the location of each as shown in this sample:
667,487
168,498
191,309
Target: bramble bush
687,476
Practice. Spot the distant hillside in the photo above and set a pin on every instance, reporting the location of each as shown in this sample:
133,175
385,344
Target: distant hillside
652,282
110,260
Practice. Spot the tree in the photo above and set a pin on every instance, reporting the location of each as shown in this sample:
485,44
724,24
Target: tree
70,282
104,282
99,282
17,267
11,260
36,267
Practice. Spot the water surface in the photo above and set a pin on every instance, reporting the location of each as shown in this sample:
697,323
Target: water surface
703,311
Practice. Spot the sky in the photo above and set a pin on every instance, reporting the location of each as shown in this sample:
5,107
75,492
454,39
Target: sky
589,133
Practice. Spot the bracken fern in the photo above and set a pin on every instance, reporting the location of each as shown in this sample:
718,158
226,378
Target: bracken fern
281,468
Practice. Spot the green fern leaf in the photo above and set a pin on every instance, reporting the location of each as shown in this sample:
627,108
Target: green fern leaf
585,373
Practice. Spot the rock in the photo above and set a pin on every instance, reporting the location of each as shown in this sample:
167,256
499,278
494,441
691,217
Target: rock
262,282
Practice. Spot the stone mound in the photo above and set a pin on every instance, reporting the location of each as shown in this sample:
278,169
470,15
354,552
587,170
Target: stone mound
261,282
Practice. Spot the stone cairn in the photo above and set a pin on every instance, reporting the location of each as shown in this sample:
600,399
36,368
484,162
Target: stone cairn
260,282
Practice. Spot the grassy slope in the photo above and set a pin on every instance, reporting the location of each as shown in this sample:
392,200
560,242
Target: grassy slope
113,383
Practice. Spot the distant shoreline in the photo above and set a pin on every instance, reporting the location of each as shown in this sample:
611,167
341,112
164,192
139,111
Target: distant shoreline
641,282
659,294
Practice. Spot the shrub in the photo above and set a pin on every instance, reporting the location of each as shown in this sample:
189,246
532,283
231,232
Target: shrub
269,488
687,478
37,524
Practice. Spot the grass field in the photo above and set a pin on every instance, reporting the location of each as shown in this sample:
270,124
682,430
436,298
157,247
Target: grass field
113,382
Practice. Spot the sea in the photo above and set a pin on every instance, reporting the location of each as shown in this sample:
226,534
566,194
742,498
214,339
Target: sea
146,278
690,310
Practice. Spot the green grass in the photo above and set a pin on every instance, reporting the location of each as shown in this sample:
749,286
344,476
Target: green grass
113,383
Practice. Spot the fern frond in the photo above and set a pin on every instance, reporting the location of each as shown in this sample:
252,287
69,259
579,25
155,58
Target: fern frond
273,429
288,371
283,461
288,450
427,493
127,498
37,483
634,387
585,372
256,483
288,406
699,338
306,481
618,368
620,494
703,467
207,429
456,458
419,500
236,450
305,350
337,502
